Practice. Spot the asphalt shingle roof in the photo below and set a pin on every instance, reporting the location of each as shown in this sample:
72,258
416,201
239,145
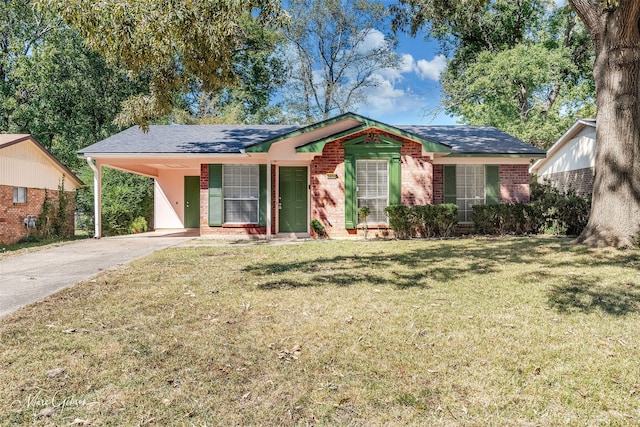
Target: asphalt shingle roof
219,139
187,139
473,139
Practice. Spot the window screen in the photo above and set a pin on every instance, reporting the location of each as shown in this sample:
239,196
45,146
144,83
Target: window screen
241,192
372,187
470,190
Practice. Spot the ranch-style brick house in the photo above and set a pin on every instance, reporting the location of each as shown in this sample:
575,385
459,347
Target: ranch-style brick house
265,180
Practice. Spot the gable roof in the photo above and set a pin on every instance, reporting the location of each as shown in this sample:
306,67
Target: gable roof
8,139
562,141
236,139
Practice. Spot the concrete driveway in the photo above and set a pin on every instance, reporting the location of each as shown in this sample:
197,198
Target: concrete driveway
30,277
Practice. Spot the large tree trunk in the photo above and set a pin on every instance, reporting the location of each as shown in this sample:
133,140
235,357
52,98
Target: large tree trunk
615,211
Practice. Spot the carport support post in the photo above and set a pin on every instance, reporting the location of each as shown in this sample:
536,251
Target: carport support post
97,197
269,207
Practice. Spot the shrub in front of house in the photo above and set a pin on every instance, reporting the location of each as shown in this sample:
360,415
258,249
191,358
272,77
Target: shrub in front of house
505,218
422,220
550,212
399,221
434,220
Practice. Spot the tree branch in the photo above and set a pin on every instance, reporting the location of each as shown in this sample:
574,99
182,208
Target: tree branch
590,12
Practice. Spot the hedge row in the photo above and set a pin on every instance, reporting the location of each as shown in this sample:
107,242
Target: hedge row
551,212
422,220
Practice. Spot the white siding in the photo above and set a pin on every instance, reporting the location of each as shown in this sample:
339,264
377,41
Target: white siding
577,153
25,165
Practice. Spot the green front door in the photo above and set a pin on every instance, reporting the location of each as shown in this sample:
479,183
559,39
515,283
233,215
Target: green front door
191,201
293,216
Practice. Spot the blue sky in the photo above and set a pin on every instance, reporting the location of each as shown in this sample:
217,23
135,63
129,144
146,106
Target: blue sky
410,94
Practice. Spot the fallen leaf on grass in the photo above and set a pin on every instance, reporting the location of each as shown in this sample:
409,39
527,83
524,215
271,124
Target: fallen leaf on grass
46,412
289,355
69,331
55,372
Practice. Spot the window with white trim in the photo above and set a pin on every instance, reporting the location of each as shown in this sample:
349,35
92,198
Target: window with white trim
241,193
470,190
372,188
19,195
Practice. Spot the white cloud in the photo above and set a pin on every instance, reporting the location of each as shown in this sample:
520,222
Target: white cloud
431,69
373,39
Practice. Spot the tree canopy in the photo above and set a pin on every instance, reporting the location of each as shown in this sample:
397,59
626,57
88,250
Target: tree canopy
335,47
170,45
522,66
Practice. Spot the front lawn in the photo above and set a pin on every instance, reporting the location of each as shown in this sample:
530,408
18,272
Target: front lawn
531,331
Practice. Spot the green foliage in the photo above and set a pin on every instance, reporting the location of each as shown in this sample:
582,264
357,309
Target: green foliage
54,221
58,90
561,213
61,224
43,223
521,66
550,212
170,42
138,225
363,213
399,221
318,228
260,72
422,220
506,218
125,197
434,220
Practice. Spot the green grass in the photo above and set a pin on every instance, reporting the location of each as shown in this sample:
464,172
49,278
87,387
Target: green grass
476,332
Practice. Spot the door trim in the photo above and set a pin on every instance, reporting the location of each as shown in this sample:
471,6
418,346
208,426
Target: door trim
277,200
195,210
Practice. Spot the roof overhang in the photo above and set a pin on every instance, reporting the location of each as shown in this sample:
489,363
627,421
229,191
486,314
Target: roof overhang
7,140
561,142
313,138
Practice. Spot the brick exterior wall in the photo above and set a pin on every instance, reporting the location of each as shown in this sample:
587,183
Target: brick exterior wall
579,180
514,183
12,228
422,183
438,184
327,194
417,175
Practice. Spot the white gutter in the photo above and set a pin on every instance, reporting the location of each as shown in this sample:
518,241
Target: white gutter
97,198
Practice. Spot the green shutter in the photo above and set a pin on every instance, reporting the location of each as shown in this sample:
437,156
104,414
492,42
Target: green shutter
395,181
262,202
350,202
215,195
450,184
492,188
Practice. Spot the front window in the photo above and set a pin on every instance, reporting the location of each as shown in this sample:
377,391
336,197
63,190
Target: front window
470,190
19,195
372,187
241,192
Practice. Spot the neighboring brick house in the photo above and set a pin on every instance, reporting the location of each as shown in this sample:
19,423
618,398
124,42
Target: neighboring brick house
570,162
27,172
266,179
